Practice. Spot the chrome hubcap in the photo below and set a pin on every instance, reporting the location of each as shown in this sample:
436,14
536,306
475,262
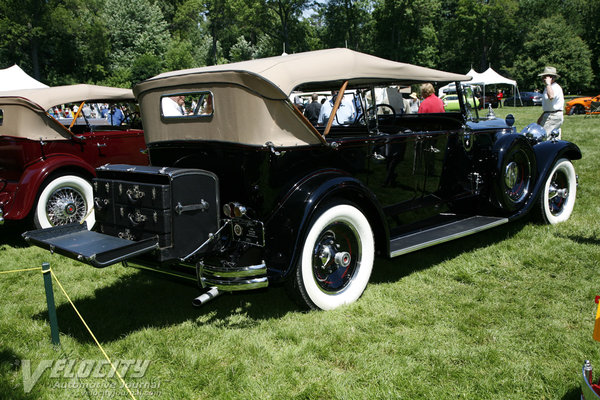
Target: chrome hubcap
65,205
335,257
558,193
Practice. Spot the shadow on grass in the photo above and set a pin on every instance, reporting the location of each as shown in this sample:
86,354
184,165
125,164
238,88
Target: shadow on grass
572,394
10,234
580,239
391,270
10,363
147,299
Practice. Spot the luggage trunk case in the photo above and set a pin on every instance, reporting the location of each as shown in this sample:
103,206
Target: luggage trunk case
171,211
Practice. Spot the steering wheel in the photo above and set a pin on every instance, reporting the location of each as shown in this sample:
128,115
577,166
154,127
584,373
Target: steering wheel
382,106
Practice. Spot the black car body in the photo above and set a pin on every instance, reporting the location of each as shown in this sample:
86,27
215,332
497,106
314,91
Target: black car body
244,192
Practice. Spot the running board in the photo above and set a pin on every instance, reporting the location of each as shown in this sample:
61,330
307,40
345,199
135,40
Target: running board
414,241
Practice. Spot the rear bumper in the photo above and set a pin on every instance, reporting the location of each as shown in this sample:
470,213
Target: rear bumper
233,278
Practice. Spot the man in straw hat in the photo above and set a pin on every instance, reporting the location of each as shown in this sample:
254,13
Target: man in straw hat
553,102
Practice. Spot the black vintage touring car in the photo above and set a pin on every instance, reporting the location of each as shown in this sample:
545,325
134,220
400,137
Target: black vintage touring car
244,192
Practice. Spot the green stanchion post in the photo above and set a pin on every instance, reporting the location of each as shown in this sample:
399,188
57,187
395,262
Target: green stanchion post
50,300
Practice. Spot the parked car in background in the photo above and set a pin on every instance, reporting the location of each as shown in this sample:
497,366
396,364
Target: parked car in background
51,142
490,99
451,102
524,99
244,192
581,105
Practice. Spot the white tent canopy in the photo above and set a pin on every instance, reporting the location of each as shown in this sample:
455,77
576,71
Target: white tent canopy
489,77
14,78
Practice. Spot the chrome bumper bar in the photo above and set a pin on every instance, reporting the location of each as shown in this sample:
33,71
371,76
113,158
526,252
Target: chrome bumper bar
233,279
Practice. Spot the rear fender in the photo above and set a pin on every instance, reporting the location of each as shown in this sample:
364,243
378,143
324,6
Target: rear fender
288,225
36,174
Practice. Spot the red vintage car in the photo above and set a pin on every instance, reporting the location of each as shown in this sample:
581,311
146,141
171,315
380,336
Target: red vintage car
51,142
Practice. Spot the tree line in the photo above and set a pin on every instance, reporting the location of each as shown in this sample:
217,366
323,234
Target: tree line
121,42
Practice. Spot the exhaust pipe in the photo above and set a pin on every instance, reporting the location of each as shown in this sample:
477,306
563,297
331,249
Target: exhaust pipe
206,297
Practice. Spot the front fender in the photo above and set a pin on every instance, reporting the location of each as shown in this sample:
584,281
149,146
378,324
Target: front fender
546,154
35,175
288,225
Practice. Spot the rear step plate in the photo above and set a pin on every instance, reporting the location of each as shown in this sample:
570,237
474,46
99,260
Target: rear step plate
414,241
97,249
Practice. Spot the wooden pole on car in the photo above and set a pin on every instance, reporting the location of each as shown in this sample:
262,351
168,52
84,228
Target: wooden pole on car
338,101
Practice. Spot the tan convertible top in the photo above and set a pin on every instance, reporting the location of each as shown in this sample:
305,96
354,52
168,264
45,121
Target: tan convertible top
52,96
250,98
24,111
276,77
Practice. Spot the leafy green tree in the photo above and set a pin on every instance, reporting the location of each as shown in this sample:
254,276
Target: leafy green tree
180,55
22,32
241,50
554,42
348,23
407,30
477,34
135,28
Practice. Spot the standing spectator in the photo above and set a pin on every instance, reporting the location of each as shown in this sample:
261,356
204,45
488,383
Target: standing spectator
431,103
173,106
500,96
115,116
313,109
553,102
346,113
414,103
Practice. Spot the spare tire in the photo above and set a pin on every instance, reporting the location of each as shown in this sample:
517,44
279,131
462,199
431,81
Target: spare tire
516,172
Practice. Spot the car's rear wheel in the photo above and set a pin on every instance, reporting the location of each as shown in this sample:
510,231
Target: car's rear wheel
336,260
560,190
63,200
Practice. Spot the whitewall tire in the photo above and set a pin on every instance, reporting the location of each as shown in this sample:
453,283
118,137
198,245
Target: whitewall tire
64,200
560,190
336,260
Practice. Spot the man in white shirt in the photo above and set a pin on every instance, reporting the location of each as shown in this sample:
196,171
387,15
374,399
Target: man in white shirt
173,106
553,102
346,113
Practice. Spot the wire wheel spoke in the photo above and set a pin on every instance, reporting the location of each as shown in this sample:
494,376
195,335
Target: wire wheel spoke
66,205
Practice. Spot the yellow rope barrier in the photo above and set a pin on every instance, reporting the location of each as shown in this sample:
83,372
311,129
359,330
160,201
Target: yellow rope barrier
93,336
21,270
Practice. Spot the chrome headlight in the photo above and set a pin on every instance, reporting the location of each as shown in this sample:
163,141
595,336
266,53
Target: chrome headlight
534,132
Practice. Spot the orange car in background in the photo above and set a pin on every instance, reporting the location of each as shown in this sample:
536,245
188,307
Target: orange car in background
582,105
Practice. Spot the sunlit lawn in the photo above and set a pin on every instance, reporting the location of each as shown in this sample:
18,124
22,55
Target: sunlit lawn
507,314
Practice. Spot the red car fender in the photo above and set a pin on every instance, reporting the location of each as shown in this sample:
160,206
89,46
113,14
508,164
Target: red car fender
35,175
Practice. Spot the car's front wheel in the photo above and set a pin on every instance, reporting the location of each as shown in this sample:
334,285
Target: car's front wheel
560,189
64,199
577,109
336,260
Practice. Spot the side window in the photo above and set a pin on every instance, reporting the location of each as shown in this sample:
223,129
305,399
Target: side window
97,114
187,105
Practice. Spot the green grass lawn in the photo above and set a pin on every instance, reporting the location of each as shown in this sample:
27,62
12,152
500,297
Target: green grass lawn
506,314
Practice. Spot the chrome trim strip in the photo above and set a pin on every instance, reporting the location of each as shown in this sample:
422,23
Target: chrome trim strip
237,272
1,216
235,285
446,238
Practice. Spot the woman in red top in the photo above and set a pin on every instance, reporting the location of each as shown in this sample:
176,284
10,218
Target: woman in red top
431,103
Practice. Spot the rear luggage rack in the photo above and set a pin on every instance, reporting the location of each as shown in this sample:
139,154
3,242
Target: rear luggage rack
97,249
